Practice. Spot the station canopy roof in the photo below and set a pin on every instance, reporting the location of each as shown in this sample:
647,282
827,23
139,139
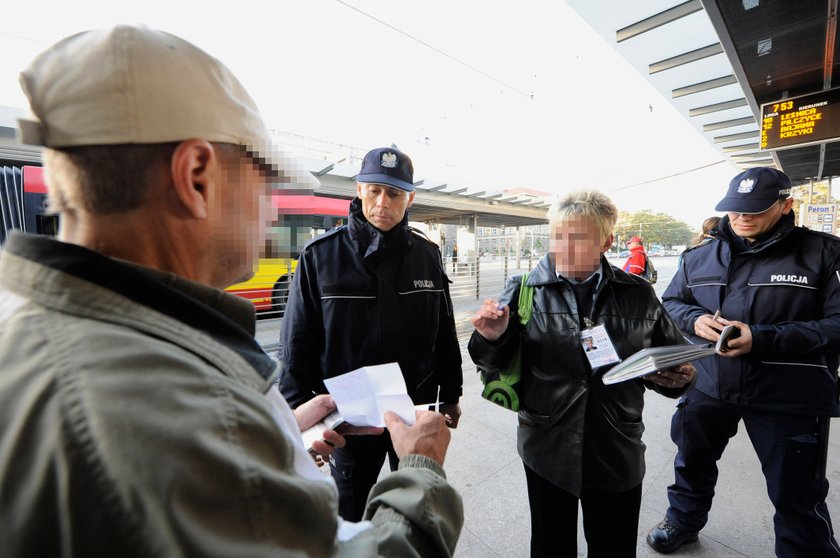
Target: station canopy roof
437,201
718,61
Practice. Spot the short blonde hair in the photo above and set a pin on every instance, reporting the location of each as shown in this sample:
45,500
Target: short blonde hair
591,204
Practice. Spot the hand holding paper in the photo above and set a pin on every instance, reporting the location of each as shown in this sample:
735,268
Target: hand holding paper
363,395
429,436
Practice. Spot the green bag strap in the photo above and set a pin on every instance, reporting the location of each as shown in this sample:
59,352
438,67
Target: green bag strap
526,300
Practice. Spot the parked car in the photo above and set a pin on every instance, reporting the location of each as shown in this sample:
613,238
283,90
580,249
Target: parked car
656,252
624,254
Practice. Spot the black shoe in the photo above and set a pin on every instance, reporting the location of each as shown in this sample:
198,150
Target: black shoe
668,537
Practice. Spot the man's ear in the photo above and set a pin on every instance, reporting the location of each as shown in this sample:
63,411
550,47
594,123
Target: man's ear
193,168
788,206
410,199
608,243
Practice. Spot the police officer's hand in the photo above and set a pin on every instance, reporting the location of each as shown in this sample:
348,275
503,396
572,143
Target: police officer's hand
490,321
675,377
310,413
428,436
708,327
451,413
740,344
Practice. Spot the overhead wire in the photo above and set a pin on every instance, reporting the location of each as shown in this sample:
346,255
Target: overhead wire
434,48
701,167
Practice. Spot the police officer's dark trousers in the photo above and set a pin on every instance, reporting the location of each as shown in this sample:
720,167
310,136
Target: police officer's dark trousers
355,468
792,451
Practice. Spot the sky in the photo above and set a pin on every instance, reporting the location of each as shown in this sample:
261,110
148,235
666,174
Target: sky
485,94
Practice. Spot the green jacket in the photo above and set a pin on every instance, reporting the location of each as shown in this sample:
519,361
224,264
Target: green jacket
135,422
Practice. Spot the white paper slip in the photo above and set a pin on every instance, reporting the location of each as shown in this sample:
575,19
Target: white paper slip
655,358
363,395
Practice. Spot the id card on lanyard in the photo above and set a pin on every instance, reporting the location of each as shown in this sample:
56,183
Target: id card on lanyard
598,347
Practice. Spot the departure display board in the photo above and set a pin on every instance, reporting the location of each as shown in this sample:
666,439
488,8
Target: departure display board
801,120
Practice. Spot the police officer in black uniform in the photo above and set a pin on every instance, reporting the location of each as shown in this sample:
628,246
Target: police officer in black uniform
779,286
372,292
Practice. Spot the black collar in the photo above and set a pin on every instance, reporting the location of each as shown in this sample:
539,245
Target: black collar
371,239
782,227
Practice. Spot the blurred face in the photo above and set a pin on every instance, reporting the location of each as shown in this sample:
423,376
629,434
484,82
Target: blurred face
384,207
752,225
576,245
243,213
631,245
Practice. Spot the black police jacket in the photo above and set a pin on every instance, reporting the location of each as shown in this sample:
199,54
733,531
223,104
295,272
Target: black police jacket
574,431
787,288
362,297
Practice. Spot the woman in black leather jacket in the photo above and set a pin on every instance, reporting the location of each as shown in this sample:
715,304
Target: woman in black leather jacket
580,440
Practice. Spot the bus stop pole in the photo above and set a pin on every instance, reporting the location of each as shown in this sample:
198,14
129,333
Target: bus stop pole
477,256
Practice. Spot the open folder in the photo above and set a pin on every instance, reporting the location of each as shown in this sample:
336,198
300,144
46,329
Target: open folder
656,358
661,358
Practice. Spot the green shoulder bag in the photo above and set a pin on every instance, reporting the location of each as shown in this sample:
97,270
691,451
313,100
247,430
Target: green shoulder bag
502,388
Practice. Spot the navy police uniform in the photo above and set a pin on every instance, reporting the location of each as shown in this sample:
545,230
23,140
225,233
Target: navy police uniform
786,286
363,297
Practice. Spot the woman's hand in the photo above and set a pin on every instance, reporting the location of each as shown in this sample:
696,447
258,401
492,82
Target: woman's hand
491,320
675,377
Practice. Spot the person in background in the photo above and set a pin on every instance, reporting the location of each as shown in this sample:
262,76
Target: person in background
580,440
139,415
372,292
637,262
709,225
779,285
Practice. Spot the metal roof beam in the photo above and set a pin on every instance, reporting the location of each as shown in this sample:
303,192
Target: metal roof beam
749,156
756,163
325,170
726,105
828,64
830,38
658,20
742,147
685,58
729,123
739,75
736,137
703,86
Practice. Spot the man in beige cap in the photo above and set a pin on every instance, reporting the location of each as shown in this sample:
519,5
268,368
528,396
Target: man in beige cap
139,415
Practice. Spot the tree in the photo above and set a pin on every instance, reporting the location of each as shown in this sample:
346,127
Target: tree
819,193
654,228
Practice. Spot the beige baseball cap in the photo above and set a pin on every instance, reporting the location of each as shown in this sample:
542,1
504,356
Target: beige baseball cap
131,84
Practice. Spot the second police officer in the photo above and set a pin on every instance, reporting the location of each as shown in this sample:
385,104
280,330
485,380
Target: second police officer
372,292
